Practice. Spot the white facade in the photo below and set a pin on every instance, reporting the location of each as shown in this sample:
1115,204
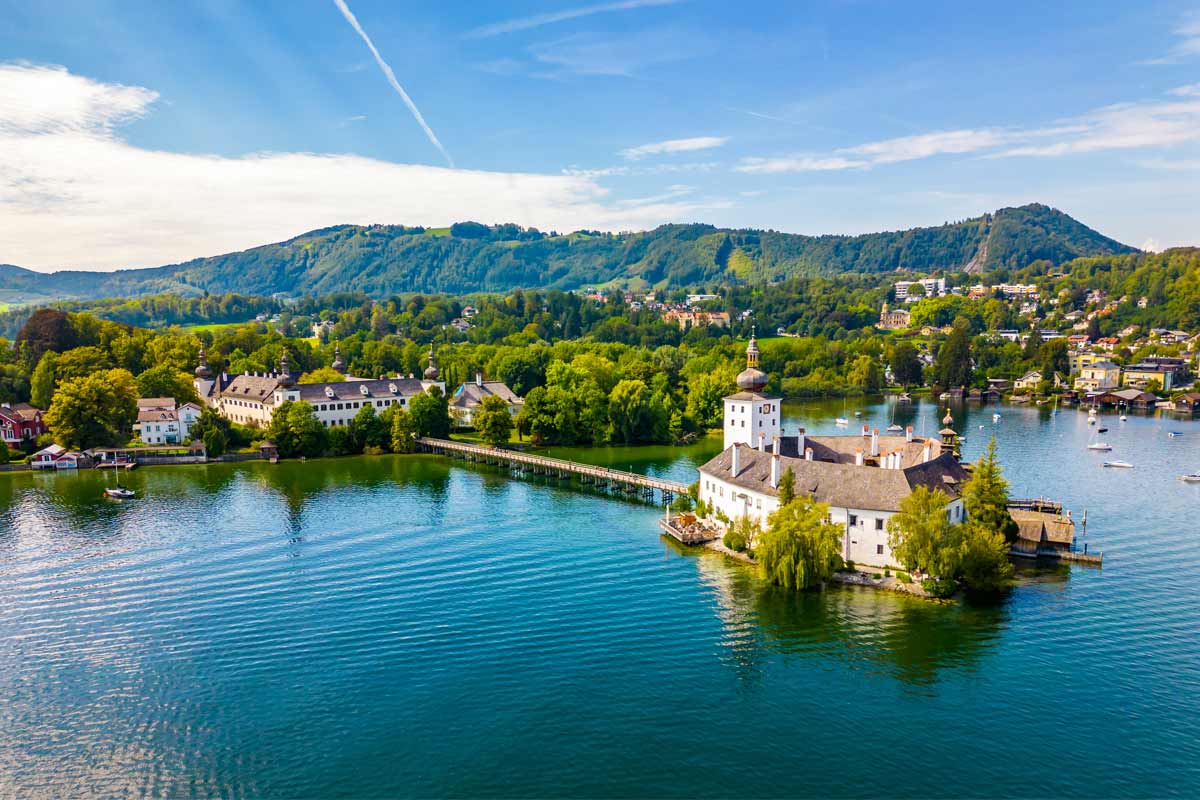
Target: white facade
749,416
864,530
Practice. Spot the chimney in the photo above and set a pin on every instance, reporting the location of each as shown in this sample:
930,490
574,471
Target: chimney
776,444
875,442
858,457
762,442
736,466
927,451
808,454
479,379
865,430
800,447
775,462
908,434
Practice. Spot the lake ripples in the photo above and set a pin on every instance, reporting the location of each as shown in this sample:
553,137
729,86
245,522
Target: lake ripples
411,626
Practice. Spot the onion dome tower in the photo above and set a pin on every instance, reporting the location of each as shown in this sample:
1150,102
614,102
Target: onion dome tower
338,364
752,379
285,372
202,370
432,373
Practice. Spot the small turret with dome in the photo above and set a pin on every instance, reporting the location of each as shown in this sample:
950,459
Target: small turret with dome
432,373
338,364
202,370
285,372
752,379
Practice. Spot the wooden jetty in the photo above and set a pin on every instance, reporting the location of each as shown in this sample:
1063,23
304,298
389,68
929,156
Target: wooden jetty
631,483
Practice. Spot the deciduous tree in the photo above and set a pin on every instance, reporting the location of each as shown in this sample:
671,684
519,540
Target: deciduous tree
800,549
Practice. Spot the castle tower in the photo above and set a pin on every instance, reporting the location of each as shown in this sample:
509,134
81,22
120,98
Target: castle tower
750,415
338,364
432,373
202,370
285,372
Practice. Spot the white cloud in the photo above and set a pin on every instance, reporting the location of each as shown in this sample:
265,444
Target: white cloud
538,20
624,56
1146,124
760,166
73,194
1191,90
640,170
1188,46
673,146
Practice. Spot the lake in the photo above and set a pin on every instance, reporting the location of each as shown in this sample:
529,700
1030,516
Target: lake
397,626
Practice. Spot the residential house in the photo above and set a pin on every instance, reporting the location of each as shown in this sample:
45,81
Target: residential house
468,398
20,424
58,457
1078,341
1142,375
160,421
1127,331
1109,343
1041,532
1098,376
322,329
1130,398
1031,380
931,287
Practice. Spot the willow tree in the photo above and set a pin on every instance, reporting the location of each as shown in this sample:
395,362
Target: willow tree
800,549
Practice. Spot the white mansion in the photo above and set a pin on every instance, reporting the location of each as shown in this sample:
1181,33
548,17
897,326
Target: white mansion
251,398
862,477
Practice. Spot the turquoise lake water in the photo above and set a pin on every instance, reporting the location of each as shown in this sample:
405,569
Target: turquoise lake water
399,626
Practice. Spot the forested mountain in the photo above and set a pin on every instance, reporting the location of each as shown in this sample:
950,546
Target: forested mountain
382,260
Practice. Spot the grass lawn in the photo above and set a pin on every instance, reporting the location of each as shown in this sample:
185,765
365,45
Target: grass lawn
213,327
474,438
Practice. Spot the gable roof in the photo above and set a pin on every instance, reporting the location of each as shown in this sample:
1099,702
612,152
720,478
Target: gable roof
353,390
252,387
840,485
470,395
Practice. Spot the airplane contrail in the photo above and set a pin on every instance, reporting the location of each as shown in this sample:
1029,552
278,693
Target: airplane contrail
391,77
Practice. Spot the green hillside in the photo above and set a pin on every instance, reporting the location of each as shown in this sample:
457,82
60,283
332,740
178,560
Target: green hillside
382,260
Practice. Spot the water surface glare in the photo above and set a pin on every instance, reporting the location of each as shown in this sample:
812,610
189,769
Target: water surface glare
398,626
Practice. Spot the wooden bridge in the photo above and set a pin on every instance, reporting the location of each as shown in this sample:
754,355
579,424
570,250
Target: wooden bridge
630,483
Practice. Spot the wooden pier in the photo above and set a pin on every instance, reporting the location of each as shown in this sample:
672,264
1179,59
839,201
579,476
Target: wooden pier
686,529
630,483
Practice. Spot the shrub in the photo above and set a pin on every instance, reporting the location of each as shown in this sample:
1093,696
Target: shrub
849,565
373,450
903,577
887,573
681,504
939,587
875,576
734,540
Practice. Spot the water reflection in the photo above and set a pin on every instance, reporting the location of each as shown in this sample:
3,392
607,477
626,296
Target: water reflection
910,639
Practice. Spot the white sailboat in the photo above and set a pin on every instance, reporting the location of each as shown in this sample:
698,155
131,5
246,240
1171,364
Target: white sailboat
841,421
1117,464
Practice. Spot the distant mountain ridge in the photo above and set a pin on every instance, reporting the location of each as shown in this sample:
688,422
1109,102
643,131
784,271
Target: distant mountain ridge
382,260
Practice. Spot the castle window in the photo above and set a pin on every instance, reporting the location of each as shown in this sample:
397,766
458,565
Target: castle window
878,549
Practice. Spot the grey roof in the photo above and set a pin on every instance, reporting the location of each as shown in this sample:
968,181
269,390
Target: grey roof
156,402
353,390
156,415
841,485
252,387
842,449
470,395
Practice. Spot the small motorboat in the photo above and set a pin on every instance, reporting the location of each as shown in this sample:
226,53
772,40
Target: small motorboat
1105,446
1123,418
858,413
995,418
1191,478
120,493
894,428
1102,430
1173,434
944,396
841,422
904,398
1117,464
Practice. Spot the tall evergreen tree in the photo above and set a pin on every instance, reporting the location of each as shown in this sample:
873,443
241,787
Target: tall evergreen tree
954,357
986,496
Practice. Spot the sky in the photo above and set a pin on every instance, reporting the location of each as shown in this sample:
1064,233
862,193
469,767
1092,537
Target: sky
136,134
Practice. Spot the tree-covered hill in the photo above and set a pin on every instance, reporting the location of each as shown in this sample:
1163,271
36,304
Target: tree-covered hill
382,260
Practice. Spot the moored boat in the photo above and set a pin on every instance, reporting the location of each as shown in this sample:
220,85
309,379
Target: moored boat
1104,446
1193,477
1117,464
120,493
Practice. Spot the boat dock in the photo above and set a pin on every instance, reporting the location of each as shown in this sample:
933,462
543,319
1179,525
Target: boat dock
647,487
686,529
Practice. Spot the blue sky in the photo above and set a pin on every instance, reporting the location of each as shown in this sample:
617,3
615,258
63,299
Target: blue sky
144,133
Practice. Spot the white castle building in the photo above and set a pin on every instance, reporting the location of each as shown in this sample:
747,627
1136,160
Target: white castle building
251,398
862,478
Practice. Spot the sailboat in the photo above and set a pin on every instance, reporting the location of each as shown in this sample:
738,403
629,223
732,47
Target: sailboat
1118,464
894,428
841,421
119,492
1092,415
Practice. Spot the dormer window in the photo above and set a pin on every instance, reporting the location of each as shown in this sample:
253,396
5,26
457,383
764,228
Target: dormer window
364,390
392,388
329,391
